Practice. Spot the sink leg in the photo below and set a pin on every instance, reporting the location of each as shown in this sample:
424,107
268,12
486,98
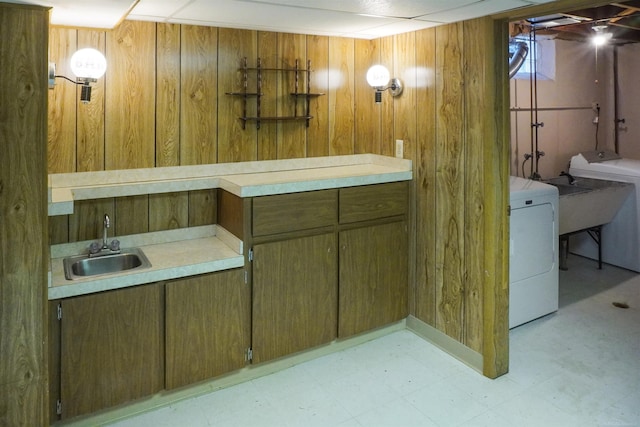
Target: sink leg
596,235
564,251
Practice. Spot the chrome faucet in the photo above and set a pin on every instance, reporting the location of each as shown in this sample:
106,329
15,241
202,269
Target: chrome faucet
106,248
107,224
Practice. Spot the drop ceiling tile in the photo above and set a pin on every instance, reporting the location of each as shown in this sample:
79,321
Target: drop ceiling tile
394,28
241,14
395,8
158,9
475,10
85,13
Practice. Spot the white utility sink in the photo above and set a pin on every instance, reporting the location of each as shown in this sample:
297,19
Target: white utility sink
588,202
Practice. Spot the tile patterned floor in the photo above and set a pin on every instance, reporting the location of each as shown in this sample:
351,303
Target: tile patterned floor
578,367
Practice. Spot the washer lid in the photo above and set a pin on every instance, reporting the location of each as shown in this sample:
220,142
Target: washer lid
627,167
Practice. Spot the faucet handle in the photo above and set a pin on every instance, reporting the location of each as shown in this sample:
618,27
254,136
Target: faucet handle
114,245
94,247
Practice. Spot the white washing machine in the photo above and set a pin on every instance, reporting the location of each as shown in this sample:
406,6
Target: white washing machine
621,237
533,250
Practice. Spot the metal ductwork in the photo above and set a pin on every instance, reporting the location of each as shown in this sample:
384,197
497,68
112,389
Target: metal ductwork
518,51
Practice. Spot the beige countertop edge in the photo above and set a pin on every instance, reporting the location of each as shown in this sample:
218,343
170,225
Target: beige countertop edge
133,176
259,177
210,249
143,277
265,189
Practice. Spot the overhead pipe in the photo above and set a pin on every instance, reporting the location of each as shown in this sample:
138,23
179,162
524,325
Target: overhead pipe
517,54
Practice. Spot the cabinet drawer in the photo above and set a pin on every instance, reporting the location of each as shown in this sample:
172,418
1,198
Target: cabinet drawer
373,201
296,211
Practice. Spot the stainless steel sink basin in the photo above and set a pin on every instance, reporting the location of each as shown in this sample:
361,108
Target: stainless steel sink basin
81,266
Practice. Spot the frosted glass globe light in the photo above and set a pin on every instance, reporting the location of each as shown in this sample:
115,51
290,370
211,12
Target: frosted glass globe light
88,64
378,76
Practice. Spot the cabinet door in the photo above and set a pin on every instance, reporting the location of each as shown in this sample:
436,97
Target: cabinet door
207,326
373,277
112,346
295,295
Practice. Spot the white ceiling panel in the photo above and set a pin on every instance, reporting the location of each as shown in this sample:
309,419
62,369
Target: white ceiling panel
85,13
391,8
474,10
282,18
160,9
349,18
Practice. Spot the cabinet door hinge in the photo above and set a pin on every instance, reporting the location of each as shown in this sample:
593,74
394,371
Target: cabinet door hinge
246,277
249,355
58,407
59,309
250,254
508,210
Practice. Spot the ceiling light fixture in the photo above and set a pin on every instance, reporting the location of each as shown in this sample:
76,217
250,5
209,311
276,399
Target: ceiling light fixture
601,36
378,78
88,65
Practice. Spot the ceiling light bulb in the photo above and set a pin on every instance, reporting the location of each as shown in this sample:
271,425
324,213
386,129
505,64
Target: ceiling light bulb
378,76
601,39
88,64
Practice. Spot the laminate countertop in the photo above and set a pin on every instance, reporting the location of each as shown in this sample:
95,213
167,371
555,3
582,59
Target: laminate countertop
197,250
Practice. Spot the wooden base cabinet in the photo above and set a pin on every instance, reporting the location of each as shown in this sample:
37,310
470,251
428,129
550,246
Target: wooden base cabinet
295,292
112,347
208,326
373,277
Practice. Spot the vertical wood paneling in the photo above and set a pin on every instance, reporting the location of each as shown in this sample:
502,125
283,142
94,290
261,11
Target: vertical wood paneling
131,215
478,130
368,114
267,136
91,115
168,211
341,101
168,99
495,334
23,215
130,101
404,111
199,88
425,172
405,123
202,207
86,223
318,131
450,182
234,143
62,104
387,137
291,134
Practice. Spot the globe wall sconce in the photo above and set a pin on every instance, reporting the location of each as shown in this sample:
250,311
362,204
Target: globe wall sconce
88,65
379,78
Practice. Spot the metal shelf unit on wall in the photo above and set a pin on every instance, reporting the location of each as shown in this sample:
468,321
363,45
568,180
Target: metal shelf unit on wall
299,73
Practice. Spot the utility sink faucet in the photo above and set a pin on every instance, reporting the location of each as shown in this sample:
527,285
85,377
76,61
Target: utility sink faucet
571,179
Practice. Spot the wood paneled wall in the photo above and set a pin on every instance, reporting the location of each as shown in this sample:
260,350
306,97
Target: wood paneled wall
23,215
163,102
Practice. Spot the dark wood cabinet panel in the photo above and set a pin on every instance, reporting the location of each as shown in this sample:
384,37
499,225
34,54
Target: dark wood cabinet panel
113,348
208,322
295,293
295,211
373,201
373,277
